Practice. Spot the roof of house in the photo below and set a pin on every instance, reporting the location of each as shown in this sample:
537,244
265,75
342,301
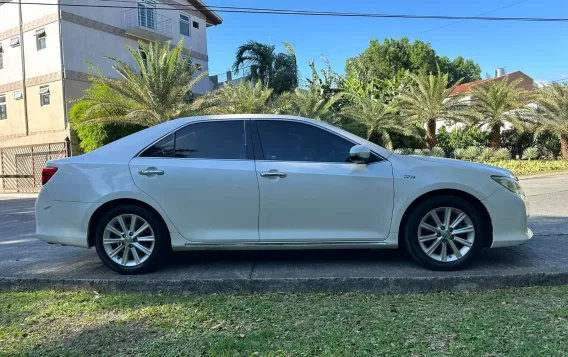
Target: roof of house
464,88
211,16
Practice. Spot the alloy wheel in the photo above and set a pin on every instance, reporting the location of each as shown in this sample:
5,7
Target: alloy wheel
446,234
128,240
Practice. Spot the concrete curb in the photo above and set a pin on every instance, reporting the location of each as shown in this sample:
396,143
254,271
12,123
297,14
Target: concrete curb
543,175
381,285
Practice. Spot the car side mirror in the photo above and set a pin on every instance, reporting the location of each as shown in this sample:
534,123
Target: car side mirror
359,154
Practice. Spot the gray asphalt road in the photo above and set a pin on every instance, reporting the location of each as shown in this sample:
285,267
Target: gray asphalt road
23,256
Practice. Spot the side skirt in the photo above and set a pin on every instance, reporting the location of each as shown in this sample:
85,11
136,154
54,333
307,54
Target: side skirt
286,245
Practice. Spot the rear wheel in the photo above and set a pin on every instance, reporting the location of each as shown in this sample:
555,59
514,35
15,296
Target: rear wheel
132,239
444,233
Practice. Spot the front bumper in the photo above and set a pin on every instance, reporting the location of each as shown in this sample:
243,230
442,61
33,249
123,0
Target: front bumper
509,213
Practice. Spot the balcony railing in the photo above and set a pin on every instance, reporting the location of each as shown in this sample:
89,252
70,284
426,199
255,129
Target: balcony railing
146,23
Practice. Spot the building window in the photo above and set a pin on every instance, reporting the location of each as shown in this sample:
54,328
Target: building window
184,24
198,67
3,113
147,14
195,24
15,42
40,39
1,57
44,95
18,95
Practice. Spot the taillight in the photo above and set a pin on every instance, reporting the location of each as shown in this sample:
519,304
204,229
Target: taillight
47,173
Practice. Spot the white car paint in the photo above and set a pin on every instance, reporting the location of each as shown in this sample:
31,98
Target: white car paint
228,204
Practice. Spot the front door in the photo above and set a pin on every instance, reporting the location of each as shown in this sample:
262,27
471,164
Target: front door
203,176
309,192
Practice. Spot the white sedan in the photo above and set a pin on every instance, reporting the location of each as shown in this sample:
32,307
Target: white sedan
273,182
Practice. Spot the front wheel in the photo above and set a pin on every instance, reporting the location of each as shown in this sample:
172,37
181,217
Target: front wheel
444,233
131,240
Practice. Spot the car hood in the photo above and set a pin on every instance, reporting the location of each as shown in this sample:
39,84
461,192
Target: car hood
465,164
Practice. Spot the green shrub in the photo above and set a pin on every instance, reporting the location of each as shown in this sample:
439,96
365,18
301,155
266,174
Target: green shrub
461,138
547,144
502,154
422,152
523,167
486,154
471,153
437,152
459,153
95,135
530,153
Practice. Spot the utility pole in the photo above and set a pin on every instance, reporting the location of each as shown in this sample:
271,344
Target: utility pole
22,54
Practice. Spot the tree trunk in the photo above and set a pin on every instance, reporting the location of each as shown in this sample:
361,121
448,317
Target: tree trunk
431,133
495,136
564,145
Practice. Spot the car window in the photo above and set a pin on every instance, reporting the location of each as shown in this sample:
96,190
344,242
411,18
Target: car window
163,148
206,140
212,140
293,141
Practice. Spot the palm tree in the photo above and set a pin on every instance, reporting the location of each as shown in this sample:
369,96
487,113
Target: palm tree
307,103
379,119
243,98
149,93
428,99
276,71
552,114
497,102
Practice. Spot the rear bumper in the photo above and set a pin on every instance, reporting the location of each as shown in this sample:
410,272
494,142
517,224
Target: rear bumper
62,222
508,213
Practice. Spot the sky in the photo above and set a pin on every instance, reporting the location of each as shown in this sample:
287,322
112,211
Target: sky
538,49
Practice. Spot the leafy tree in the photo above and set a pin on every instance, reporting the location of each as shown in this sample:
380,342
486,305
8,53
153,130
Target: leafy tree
378,118
428,99
329,85
276,71
497,102
552,114
149,93
394,56
459,68
243,98
95,135
309,103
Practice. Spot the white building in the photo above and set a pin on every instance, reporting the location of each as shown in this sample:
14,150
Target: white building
55,41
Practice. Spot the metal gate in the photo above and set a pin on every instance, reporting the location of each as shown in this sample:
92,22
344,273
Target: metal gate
20,167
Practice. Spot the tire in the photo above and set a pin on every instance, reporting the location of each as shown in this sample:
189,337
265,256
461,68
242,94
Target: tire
460,248
144,255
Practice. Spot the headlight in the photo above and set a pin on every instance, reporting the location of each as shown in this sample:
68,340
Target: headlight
510,183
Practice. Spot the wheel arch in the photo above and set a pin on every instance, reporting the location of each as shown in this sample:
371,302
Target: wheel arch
100,211
488,241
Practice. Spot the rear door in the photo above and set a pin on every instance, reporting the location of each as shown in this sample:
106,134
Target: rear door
203,176
310,192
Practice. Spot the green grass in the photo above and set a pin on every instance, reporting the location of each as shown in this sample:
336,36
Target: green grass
515,322
525,167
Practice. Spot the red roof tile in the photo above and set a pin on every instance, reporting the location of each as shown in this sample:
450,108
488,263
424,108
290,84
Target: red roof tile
464,88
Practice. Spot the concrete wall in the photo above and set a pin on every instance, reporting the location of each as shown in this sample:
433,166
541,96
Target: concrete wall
92,40
82,44
47,60
15,123
12,71
47,117
9,13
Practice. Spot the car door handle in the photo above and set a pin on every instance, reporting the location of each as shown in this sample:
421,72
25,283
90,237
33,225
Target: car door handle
273,174
151,171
